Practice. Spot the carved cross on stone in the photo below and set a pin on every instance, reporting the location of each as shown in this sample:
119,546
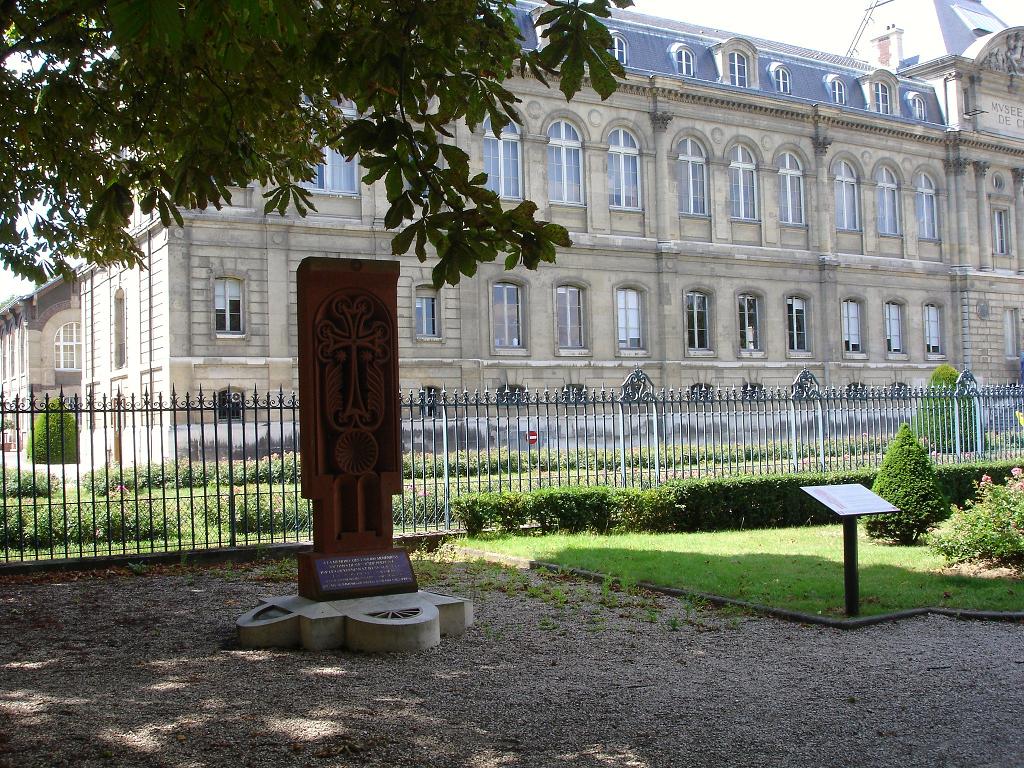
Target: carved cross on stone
348,412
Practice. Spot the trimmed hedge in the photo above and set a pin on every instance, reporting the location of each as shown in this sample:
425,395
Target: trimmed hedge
54,436
711,504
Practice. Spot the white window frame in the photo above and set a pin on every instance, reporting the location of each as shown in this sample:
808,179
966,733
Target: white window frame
693,172
847,192
883,97
629,319
791,189
887,200
797,334
65,349
623,168
697,308
225,291
620,50
782,79
565,158
748,317
742,184
1000,232
336,175
926,207
919,108
508,329
505,150
933,330
684,60
427,323
851,315
892,317
837,91
570,330
739,69
120,324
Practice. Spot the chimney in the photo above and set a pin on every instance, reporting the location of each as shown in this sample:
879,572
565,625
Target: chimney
888,48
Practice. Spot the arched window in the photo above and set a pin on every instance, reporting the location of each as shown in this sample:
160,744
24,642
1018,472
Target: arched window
698,321
629,311
847,206
569,316
783,82
837,90
693,177
883,98
229,404
336,173
623,170
67,348
227,305
120,329
507,314
851,326
684,61
748,311
501,160
887,194
893,317
791,190
619,50
919,108
738,69
565,163
743,183
924,205
796,324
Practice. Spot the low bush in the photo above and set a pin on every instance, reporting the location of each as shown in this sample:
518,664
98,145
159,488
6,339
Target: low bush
989,527
54,436
907,480
709,504
25,484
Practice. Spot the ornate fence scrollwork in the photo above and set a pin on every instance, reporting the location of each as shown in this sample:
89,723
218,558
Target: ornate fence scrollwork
805,386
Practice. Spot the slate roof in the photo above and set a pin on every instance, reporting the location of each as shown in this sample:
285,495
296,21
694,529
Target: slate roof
650,39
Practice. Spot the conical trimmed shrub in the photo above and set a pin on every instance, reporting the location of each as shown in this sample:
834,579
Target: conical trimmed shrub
907,480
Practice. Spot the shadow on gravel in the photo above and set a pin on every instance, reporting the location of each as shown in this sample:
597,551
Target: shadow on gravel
797,582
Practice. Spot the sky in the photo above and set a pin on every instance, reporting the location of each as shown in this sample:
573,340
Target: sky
800,22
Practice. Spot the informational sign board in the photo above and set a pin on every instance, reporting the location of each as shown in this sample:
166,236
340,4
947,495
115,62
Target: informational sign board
850,500
374,573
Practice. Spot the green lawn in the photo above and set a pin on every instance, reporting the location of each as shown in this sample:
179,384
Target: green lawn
794,568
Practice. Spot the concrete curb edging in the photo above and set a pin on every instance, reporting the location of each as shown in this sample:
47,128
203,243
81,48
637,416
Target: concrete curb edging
765,610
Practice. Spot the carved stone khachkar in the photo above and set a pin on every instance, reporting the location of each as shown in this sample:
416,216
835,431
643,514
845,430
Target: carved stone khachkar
355,588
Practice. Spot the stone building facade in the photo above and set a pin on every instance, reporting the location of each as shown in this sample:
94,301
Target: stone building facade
740,209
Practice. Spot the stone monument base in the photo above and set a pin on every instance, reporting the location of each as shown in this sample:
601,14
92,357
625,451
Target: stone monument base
383,624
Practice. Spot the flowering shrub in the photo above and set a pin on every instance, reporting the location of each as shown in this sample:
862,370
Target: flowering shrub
989,527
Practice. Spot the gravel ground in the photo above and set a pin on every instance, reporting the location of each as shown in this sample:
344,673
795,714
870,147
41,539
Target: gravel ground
144,671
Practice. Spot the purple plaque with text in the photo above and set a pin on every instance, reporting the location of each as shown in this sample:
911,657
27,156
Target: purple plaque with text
363,575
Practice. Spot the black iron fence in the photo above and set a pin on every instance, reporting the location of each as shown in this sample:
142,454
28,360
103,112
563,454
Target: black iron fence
124,475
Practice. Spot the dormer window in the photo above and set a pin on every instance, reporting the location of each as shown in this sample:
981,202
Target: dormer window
684,61
781,78
619,50
738,67
837,90
882,98
918,108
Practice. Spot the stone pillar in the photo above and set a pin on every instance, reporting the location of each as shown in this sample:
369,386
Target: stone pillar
596,164
868,190
535,171
661,205
959,205
908,221
948,221
1018,211
768,185
721,222
825,197
984,217
828,324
